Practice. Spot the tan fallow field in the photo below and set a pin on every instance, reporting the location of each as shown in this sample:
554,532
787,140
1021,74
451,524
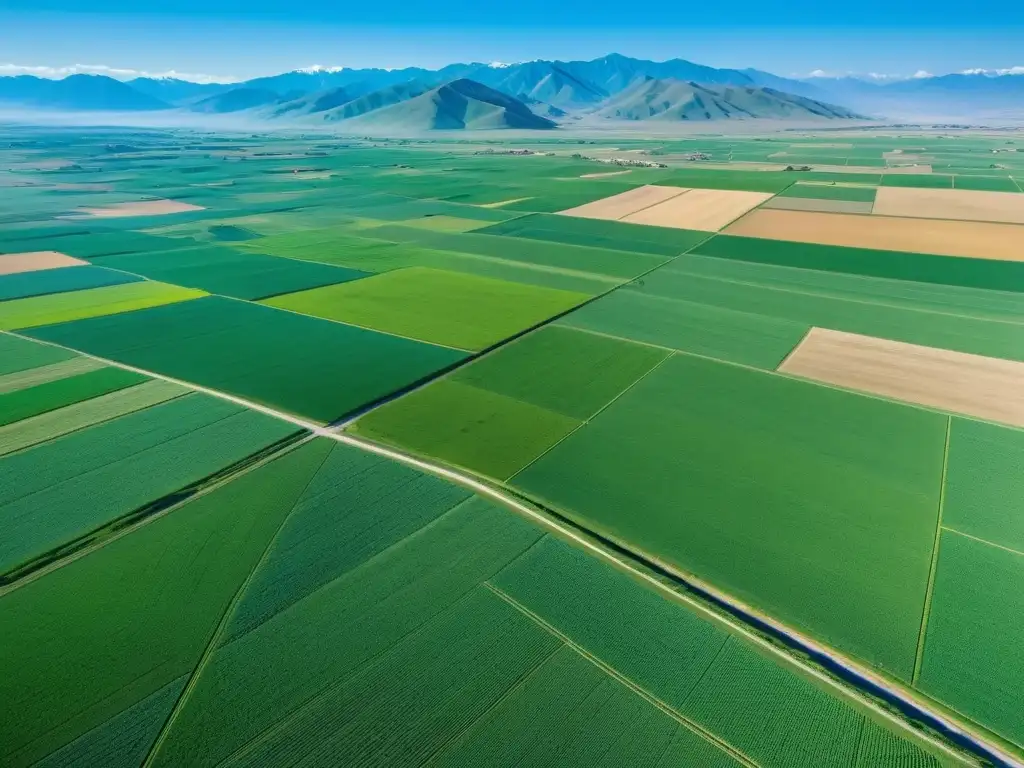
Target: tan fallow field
975,239
811,204
145,208
605,174
618,206
983,387
707,210
34,261
960,204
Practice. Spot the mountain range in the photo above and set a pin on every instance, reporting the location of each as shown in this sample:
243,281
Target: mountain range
530,95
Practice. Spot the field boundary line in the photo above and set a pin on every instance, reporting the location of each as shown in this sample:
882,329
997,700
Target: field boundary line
225,618
919,655
811,294
432,758
624,680
793,351
245,749
472,357
586,421
983,541
260,301
791,377
284,416
147,519
682,191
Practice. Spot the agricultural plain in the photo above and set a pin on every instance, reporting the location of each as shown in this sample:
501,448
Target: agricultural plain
326,450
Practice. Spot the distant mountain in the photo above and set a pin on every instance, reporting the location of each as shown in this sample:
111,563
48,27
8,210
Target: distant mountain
355,82
786,84
540,81
559,83
174,91
236,100
674,100
385,97
88,93
460,104
537,89
308,104
946,95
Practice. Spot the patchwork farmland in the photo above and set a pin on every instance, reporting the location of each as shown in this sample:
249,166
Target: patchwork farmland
326,451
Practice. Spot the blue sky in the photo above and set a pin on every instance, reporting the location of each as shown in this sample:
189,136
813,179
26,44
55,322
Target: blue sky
234,39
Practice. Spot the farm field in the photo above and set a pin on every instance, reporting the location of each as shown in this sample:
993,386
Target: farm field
321,449
440,614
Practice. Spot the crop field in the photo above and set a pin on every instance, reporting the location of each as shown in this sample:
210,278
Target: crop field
50,281
59,491
447,308
229,272
96,302
853,498
330,450
442,615
500,413
14,263
303,365
942,237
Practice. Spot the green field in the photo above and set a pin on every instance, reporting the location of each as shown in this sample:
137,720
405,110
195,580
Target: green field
303,365
71,418
703,329
971,653
17,354
735,460
503,411
614,235
95,302
944,270
447,308
48,281
831,192
60,491
984,489
741,305
230,272
443,615
51,395
617,265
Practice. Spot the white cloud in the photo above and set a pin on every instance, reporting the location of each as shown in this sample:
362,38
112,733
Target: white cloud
870,76
313,69
119,73
498,65
994,72
922,74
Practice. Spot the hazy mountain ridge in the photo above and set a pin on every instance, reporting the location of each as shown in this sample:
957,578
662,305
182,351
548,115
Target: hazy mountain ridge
549,88
459,104
77,93
671,99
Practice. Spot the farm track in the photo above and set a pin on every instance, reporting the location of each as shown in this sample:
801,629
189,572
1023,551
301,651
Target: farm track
742,619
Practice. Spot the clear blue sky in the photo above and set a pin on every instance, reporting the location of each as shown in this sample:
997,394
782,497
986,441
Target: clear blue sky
244,39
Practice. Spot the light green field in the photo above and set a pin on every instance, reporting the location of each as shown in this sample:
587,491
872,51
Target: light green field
469,427
446,308
95,302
